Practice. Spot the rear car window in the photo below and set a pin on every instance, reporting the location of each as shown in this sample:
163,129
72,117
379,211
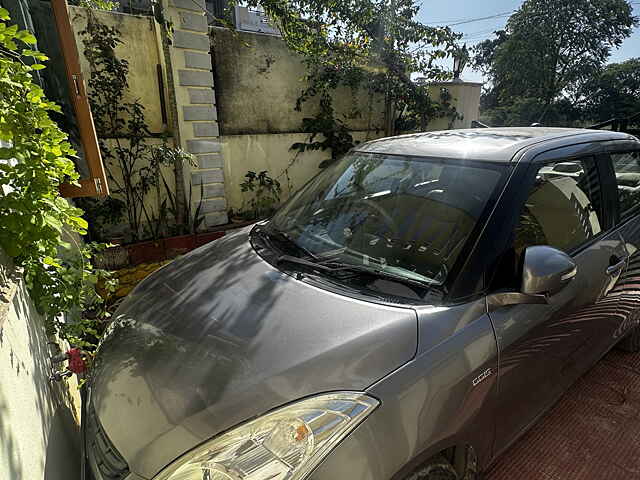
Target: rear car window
627,170
562,209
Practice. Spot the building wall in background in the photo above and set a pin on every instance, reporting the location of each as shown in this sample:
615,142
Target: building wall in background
247,120
271,152
141,48
466,99
258,80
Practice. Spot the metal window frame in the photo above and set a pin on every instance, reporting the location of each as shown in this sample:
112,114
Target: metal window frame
96,184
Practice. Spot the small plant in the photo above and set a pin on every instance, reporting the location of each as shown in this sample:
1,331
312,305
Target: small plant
102,213
132,166
184,221
265,194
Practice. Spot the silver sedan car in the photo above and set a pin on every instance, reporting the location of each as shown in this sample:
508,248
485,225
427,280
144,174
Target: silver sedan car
407,314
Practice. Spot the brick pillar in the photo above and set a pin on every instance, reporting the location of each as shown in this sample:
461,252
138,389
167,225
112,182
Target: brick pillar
195,102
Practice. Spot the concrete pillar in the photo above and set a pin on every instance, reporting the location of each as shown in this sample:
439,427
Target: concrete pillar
465,96
195,102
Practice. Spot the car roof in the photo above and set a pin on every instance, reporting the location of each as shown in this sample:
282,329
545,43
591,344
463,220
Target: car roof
491,144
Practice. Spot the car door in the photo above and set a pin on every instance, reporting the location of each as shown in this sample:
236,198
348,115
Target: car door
544,348
623,169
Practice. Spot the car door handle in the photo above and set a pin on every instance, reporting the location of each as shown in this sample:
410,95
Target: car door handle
615,269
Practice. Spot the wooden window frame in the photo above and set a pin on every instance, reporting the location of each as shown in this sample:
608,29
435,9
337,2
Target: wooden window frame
96,185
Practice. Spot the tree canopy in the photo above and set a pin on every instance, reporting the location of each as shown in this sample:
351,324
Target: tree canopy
549,51
615,92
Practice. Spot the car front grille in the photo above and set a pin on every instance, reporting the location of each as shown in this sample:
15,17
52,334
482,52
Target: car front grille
101,453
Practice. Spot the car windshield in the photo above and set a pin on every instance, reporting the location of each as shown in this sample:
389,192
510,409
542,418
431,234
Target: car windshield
402,215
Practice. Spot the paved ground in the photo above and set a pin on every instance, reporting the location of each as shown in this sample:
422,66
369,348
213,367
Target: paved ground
592,433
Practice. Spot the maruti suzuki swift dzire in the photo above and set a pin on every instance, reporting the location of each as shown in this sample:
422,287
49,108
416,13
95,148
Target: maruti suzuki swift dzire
407,314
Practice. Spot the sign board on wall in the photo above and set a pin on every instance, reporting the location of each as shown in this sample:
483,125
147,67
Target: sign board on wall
249,20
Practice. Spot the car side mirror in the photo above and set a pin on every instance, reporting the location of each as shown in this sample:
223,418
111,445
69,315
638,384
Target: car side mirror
545,272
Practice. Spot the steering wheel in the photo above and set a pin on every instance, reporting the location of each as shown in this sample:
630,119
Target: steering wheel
388,219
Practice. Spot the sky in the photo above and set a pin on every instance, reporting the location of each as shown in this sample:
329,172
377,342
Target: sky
442,12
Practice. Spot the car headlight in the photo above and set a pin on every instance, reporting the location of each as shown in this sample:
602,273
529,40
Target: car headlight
287,443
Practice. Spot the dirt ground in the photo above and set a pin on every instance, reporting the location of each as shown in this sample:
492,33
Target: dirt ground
592,433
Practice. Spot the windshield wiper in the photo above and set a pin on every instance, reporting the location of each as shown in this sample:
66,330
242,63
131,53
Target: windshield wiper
281,237
378,272
306,263
342,267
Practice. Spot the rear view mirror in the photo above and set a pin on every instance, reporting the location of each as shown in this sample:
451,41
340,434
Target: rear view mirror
546,270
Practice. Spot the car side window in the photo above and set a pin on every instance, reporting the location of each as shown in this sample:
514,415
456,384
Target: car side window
627,170
563,207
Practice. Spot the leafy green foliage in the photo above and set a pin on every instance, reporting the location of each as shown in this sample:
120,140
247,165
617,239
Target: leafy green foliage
613,93
550,49
170,156
36,156
134,167
120,124
265,194
107,5
417,119
327,133
370,45
68,285
35,159
526,111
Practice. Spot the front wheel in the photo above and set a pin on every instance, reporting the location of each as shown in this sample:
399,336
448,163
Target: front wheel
438,468
441,467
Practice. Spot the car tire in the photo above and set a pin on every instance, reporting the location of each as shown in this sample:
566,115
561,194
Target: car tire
440,468
631,343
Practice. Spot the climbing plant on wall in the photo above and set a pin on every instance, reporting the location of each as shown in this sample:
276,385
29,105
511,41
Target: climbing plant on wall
371,45
120,124
37,225
133,165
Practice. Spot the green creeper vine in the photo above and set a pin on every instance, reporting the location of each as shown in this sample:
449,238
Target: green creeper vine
370,46
99,4
38,227
132,164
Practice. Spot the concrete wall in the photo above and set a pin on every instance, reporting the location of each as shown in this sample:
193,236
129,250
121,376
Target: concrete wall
271,152
38,427
140,47
248,120
258,80
466,99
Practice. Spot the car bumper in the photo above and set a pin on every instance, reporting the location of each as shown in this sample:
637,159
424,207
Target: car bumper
100,458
